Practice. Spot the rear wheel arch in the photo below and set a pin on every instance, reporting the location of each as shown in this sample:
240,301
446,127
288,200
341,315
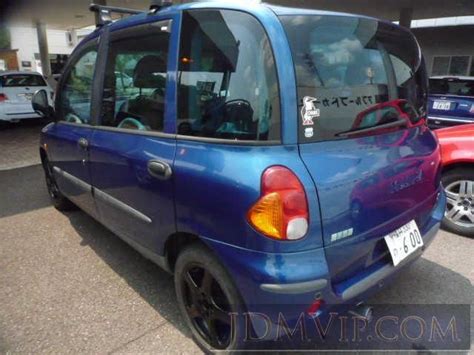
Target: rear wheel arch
180,241
457,166
197,255
175,244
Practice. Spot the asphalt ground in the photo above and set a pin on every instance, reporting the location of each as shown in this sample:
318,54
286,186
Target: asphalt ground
68,285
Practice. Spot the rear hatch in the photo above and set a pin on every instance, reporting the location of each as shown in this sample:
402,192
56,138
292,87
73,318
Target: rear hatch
19,89
452,98
362,93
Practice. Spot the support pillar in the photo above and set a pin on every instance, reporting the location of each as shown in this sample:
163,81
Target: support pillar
406,16
43,49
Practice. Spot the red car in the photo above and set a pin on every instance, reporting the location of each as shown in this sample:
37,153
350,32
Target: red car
457,154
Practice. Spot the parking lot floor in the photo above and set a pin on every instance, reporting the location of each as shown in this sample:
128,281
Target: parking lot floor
69,285
19,143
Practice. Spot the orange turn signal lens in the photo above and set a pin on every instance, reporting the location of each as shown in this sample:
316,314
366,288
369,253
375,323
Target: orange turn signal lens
267,215
281,212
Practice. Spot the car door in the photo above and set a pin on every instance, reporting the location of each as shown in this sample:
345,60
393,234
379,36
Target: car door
71,133
133,147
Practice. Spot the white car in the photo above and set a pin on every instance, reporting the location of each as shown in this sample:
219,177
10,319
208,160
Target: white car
16,90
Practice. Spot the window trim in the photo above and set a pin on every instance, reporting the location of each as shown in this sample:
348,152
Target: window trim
136,132
211,140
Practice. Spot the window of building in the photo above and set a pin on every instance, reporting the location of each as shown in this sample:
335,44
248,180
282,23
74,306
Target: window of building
440,65
135,81
459,65
227,82
453,65
76,94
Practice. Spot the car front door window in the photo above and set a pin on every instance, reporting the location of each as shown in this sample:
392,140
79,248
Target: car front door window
76,94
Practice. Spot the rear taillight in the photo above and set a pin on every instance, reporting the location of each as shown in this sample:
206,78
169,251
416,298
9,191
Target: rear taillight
282,209
3,97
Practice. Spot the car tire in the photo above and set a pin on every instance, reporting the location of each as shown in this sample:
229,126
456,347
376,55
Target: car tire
460,205
59,201
193,263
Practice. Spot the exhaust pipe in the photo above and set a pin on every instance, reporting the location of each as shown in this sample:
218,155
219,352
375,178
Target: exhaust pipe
363,311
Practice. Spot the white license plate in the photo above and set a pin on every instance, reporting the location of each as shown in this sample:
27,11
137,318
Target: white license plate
403,242
442,105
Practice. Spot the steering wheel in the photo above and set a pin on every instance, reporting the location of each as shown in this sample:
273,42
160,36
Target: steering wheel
73,118
132,123
237,102
236,111
223,117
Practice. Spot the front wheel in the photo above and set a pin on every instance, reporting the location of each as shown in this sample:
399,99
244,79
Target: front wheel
59,201
207,298
459,215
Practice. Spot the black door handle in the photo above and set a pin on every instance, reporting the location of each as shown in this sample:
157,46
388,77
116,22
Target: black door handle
83,143
159,169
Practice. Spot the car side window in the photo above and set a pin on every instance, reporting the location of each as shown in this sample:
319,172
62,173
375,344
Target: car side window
76,92
136,76
227,82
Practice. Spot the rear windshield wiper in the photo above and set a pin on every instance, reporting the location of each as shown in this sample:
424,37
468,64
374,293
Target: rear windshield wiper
353,132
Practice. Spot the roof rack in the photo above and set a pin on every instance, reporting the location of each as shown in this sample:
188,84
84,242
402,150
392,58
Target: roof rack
104,13
157,5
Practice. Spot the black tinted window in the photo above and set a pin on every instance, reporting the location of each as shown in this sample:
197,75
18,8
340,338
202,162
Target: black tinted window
452,86
227,84
352,74
16,80
135,81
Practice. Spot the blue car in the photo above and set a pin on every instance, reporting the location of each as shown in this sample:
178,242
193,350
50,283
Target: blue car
451,101
275,160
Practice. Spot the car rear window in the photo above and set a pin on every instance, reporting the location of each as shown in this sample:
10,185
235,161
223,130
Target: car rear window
452,86
16,80
354,74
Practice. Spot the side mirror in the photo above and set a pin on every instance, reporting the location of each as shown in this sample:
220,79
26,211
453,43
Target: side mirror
41,105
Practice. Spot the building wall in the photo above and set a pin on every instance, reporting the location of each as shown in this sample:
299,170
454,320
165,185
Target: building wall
26,41
445,41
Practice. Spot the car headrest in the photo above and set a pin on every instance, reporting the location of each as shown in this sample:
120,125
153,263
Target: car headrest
148,72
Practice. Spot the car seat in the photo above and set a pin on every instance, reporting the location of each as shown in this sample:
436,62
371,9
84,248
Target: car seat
147,108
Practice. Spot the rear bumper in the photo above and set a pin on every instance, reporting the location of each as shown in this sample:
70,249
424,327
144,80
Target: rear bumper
9,117
291,282
377,278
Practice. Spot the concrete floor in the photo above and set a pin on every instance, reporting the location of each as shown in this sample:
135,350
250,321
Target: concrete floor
69,285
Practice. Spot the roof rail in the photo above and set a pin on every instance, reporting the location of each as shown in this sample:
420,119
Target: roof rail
104,13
